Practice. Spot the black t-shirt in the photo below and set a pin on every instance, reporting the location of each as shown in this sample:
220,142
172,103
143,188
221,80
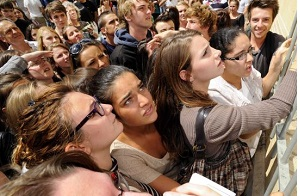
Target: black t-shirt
22,24
91,7
85,14
262,57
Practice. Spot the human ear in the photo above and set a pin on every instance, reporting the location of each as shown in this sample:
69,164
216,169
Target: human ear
185,75
2,38
103,30
128,17
80,147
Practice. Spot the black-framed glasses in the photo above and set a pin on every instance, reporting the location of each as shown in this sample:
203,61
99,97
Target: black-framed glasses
97,109
241,56
75,49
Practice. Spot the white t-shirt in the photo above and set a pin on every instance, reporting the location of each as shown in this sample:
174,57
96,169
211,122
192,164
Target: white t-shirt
33,7
251,92
243,4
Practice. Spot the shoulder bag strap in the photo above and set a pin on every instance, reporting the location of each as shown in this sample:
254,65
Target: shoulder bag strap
199,146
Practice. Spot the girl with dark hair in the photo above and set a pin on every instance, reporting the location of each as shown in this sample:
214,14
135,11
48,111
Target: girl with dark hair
31,32
139,149
89,53
183,68
241,84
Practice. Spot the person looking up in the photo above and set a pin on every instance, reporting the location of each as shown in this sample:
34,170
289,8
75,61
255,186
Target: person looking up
11,34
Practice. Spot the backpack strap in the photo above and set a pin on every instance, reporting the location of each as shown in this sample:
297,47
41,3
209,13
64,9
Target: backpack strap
199,146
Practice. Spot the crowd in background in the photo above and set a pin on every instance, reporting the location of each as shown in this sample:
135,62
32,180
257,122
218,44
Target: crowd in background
92,89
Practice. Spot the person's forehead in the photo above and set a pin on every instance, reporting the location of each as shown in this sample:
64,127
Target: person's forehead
261,11
110,17
7,9
6,24
71,29
169,22
140,2
58,13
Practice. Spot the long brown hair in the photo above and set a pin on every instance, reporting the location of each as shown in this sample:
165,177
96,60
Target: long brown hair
170,92
45,127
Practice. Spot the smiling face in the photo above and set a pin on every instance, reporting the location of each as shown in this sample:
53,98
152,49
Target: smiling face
18,14
93,57
164,26
205,65
72,13
261,21
99,131
132,101
239,68
61,57
182,9
9,13
10,33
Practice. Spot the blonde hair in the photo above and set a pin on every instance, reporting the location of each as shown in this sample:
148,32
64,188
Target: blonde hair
39,36
206,16
124,10
45,127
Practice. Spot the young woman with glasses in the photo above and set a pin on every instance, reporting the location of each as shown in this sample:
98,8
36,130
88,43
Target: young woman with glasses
89,53
60,120
184,65
241,84
139,148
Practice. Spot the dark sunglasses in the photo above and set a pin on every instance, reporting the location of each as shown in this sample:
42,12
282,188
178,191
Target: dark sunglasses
97,109
75,49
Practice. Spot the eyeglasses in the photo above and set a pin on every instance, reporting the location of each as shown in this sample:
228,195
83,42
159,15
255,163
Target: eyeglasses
241,56
97,109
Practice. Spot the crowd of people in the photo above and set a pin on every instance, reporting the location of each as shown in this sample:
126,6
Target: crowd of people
102,97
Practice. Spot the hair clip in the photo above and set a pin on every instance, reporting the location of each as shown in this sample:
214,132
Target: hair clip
31,103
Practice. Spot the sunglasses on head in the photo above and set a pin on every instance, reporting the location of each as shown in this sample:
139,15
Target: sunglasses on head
75,49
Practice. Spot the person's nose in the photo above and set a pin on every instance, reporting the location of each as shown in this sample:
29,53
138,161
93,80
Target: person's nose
107,108
249,57
217,53
55,40
188,25
259,23
143,100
